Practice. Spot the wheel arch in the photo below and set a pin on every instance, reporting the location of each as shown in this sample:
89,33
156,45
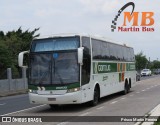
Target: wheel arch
126,81
99,89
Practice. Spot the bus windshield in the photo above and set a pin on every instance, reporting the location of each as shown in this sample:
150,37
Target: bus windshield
54,61
54,68
55,44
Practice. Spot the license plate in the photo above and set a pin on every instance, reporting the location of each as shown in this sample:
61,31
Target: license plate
51,99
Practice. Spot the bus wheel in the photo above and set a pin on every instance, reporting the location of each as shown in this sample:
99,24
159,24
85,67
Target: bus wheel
53,106
126,89
129,87
95,97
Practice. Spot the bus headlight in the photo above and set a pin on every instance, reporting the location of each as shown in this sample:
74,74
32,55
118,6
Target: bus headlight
73,90
32,91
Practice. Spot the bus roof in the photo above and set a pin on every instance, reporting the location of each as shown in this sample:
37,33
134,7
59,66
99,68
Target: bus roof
98,37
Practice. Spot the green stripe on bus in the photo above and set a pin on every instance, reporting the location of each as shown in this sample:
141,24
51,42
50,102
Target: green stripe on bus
103,67
130,66
51,87
107,67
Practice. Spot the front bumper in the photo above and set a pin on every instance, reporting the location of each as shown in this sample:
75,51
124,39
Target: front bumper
144,74
68,98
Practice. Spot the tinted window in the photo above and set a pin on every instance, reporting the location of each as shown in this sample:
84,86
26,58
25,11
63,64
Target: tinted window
54,68
111,51
86,60
53,44
105,50
96,49
128,54
100,49
124,52
132,54
65,68
40,69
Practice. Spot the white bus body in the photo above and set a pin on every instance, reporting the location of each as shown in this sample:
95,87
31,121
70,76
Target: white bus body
98,68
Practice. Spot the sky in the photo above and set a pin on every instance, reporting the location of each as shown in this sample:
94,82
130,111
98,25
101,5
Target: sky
82,16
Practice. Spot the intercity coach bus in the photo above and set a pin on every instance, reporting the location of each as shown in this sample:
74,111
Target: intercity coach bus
74,69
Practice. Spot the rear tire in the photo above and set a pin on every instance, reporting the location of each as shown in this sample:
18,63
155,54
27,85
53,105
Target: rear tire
95,100
129,87
126,89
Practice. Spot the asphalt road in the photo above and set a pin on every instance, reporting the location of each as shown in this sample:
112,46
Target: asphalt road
140,101
148,77
14,103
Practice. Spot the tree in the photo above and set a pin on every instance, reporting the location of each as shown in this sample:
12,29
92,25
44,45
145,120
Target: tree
11,44
156,64
141,61
5,57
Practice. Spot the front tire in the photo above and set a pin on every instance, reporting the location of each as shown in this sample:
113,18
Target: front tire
95,100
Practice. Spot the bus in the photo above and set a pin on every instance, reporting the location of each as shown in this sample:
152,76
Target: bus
75,69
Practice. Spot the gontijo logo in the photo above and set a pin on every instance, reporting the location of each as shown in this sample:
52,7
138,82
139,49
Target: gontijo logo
101,67
133,18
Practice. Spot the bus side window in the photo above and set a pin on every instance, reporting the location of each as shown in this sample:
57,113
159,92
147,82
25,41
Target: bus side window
132,55
112,50
86,60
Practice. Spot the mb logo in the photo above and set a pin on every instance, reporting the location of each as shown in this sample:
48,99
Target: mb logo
134,21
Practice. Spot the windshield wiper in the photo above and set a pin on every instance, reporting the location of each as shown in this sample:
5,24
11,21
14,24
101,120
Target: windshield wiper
42,77
59,77
56,72
44,74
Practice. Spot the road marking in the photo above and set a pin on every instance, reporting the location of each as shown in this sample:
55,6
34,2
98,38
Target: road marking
137,92
123,98
114,102
2,104
131,95
84,114
143,90
62,123
100,107
138,82
23,110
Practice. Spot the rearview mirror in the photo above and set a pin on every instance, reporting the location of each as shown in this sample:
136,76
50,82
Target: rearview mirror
20,58
80,55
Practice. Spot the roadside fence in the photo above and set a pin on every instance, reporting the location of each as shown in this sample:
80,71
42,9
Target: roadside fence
12,86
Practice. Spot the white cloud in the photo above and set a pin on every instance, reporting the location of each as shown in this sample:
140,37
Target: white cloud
100,6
